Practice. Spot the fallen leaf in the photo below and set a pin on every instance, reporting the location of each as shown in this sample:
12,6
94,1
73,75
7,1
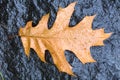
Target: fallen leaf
61,37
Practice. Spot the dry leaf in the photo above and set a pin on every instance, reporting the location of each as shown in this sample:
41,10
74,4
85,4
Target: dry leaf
61,37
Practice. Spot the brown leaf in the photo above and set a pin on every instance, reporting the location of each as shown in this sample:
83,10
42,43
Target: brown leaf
61,37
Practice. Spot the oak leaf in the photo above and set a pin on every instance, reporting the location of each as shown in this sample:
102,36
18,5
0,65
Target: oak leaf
61,37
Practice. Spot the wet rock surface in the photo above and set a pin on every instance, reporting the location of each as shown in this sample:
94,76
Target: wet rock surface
14,65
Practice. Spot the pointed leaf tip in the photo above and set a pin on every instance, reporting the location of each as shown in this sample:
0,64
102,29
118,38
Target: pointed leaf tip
70,6
73,4
45,17
29,24
107,35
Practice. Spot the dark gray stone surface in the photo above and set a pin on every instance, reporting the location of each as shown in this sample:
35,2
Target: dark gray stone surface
14,65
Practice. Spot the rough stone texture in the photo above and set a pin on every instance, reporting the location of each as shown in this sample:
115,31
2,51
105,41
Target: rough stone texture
14,65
